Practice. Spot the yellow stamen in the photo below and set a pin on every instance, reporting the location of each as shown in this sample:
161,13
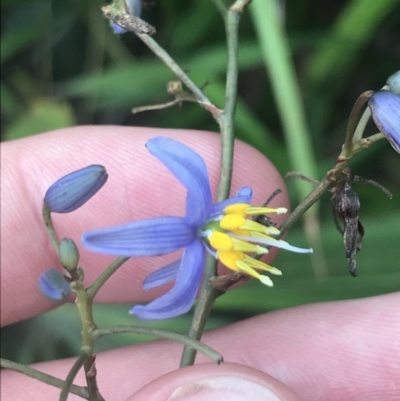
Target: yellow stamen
238,261
223,242
234,223
265,210
236,208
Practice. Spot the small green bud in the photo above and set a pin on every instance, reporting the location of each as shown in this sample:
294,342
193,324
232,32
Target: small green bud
69,254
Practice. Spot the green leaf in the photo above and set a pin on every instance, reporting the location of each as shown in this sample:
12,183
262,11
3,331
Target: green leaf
44,115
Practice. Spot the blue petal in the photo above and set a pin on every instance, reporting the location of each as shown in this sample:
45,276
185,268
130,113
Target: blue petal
385,110
189,168
162,275
53,285
118,30
394,82
73,190
244,195
151,237
180,298
134,8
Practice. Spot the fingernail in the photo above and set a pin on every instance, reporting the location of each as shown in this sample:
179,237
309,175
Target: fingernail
230,388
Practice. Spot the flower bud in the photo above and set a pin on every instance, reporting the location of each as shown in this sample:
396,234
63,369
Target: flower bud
385,110
53,285
134,8
69,254
394,83
73,190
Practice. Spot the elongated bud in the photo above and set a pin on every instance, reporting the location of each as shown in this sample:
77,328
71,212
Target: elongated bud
73,190
394,83
385,110
53,285
134,8
69,254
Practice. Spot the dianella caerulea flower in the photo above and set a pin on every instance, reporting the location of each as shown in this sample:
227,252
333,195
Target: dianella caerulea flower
134,8
221,228
385,110
73,190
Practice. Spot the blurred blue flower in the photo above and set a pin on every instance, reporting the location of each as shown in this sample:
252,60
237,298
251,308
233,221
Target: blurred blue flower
134,8
73,190
220,228
394,82
385,110
53,285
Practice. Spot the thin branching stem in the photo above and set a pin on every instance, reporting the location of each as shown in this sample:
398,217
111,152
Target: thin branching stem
208,294
43,377
66,388
165,334
107,273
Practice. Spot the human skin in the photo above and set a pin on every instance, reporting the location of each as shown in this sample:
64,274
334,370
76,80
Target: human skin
346,350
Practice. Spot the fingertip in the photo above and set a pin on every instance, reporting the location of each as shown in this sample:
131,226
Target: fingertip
211,382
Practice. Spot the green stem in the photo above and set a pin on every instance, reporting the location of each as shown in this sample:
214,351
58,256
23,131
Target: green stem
358,133
202,99
85,307
99,282
46,213
208,294
307,202
205,349
66,389
43,377
219,4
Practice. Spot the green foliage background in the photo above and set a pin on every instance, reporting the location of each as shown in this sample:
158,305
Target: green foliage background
62,66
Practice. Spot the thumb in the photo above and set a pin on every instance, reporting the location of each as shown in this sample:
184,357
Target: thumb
211,382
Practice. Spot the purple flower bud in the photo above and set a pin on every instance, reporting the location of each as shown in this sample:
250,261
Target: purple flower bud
53,285
394,82
134,8
385,110
69,254
73,190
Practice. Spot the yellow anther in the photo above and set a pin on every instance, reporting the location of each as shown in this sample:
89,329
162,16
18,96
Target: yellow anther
232,222
239,261
229,259
220,241
240,225
236,208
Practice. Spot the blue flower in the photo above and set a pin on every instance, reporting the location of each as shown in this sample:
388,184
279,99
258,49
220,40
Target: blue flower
73,190
134,8
385,110
220,228
394,82
53,285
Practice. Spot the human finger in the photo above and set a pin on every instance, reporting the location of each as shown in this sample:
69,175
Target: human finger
345,350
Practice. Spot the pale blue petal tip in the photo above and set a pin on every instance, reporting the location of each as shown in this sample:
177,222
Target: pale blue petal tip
394,82
53,285
385,110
